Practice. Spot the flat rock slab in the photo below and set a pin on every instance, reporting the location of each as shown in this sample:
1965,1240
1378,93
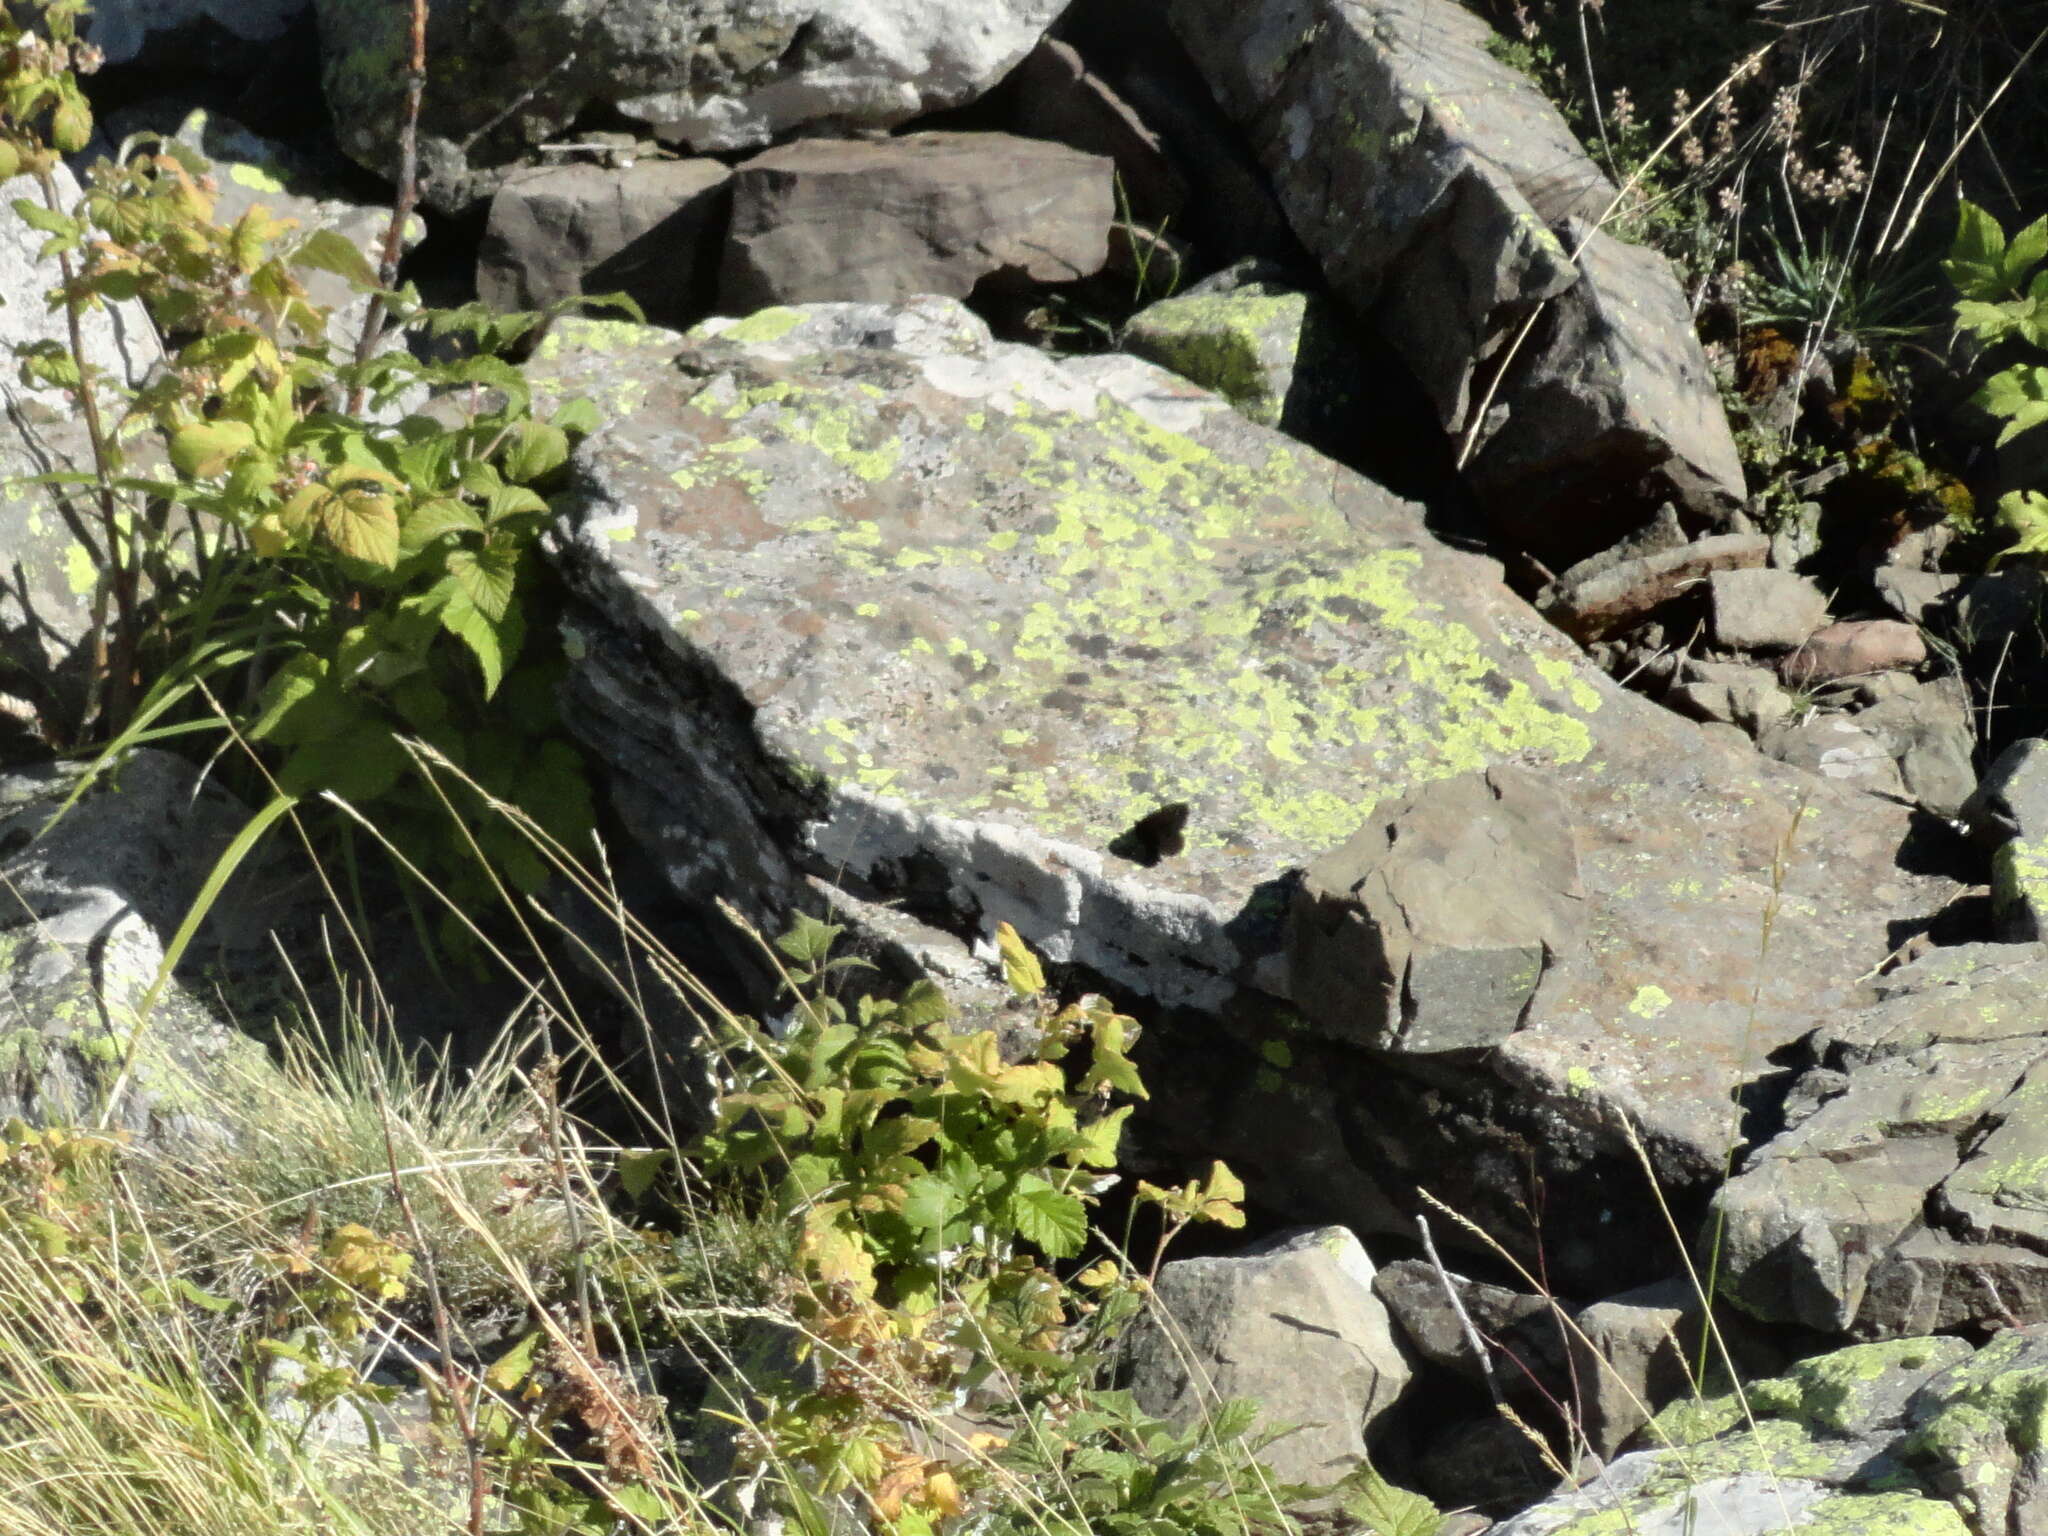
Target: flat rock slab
851,219
868,597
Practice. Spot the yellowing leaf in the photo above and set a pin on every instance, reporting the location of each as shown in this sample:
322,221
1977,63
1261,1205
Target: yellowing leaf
362,525
1020,967
515,1365
206,448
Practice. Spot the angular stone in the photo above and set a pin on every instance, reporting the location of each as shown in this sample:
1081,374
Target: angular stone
1241,339
1291,1323
1927,730
712,75
1764,610
1438,189
1915,595
1608,409
1835,747
1851,648
1826,1223
1429,930
863,596
1613,599
878,221
653,230
1508,1322
1052,95
2009,813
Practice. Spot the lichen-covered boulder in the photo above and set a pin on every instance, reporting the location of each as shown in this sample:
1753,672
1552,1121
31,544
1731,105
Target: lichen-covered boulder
2009,813
708,75
866,598
1907,1197
91,898
1826,1448
1448,202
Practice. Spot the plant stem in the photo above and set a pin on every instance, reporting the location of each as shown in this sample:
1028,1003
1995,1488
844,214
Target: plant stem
402,204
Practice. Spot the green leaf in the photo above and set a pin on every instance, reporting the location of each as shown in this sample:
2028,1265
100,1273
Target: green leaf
43,220
328,250
1976,258
493,642
2025,252
922,1005
488,577
206,448
808,941
359,767
578,417
639,1169
895,1136
534,449
435,519
1095,1144
1057,1224
1386,1510
512,1367
929,1203
363,525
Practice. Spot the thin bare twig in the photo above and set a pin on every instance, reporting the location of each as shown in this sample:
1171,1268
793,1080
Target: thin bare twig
406,199
1473,1342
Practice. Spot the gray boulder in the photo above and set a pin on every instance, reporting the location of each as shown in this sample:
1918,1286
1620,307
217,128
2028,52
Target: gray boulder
850,219
1834,746
866,598
91,899
1291,1323
707,75
1449,204
1901,1203
653,230
1833,1446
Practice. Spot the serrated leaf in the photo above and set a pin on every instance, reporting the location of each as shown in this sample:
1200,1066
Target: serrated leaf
929,1203
1026,977
493,642
922,1005
1057,1224
43,220
363,525
328,250
1386,1510
513,501
2025,251
1976,258
1096,1143
436,518
204,449
896,1136
533,449
488,577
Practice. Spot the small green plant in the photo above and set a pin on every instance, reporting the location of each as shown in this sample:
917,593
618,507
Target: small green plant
2003,298
333,584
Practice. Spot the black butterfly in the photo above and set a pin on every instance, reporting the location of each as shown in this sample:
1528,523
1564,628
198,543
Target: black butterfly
1154,837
